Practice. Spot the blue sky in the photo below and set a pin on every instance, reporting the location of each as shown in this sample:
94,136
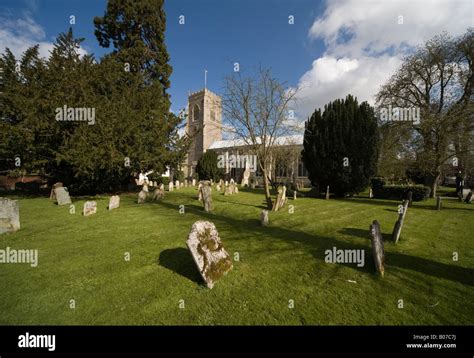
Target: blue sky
333,48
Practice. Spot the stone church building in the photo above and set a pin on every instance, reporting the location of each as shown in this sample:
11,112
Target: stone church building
204,122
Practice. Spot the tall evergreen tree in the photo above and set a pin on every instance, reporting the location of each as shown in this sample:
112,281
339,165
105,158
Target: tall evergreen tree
340,146
207,167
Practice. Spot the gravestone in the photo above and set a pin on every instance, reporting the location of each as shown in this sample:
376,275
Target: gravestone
199,191
194,182
232,181
170,186
218,187
327,192
158,194
90,208
142,195
264,218
294,195
438,203
210,257
9,215
468,198
377,247
397,229
236,189
371,194
176,183
52,195
246,175
62,196
226,183
280,199
114,202
206,195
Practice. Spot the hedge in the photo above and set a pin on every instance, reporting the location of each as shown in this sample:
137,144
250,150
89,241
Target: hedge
398,192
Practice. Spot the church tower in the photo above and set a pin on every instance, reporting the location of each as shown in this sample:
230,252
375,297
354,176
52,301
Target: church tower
205,123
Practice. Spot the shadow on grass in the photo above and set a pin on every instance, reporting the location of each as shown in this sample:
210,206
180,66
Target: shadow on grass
352,231
180,261
316,245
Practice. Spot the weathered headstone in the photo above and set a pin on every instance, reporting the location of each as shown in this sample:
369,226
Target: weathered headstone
438,203
90,208
142,195
226,183
397,229
62,196
294,194
227,190
206,195
9,215
327,192
194,182
371,194
211,258
377,247
158,194
52,195
170,186
246,175
114,202
176,183
236,189
468,198
232,181
280,199
264,218
199,191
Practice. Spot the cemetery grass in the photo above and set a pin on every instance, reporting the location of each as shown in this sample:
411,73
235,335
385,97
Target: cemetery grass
83,258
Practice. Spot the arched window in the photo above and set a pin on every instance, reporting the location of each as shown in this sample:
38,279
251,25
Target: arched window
196,113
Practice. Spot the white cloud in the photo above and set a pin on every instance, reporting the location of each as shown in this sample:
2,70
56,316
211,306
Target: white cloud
365,44
22,33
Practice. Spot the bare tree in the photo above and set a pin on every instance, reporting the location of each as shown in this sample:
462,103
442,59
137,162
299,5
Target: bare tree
437,79
256,108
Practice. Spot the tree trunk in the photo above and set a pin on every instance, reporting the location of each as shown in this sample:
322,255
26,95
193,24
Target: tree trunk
267,189
434,185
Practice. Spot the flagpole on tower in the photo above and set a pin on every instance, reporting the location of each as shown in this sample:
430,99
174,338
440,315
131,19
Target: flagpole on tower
205,79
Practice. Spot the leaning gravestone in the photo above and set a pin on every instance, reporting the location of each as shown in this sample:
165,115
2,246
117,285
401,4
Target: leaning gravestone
9,215
264,218
114,202
52,195
397,229
158,194
90,208
438,203
377,246
211,258
468,198
280,199
62,196
206,196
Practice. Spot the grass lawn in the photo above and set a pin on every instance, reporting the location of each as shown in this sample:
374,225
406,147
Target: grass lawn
82,258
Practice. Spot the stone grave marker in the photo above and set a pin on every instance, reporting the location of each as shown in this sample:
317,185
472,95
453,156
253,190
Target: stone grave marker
280,199
114,202
397,229
264,218
377,247
158,194
62,195
208,253
52,195
9,215
438,202
206,196
90,208
143,194
327,192
468,198
170,186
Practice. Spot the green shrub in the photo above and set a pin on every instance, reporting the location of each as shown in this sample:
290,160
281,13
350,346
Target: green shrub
398,192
